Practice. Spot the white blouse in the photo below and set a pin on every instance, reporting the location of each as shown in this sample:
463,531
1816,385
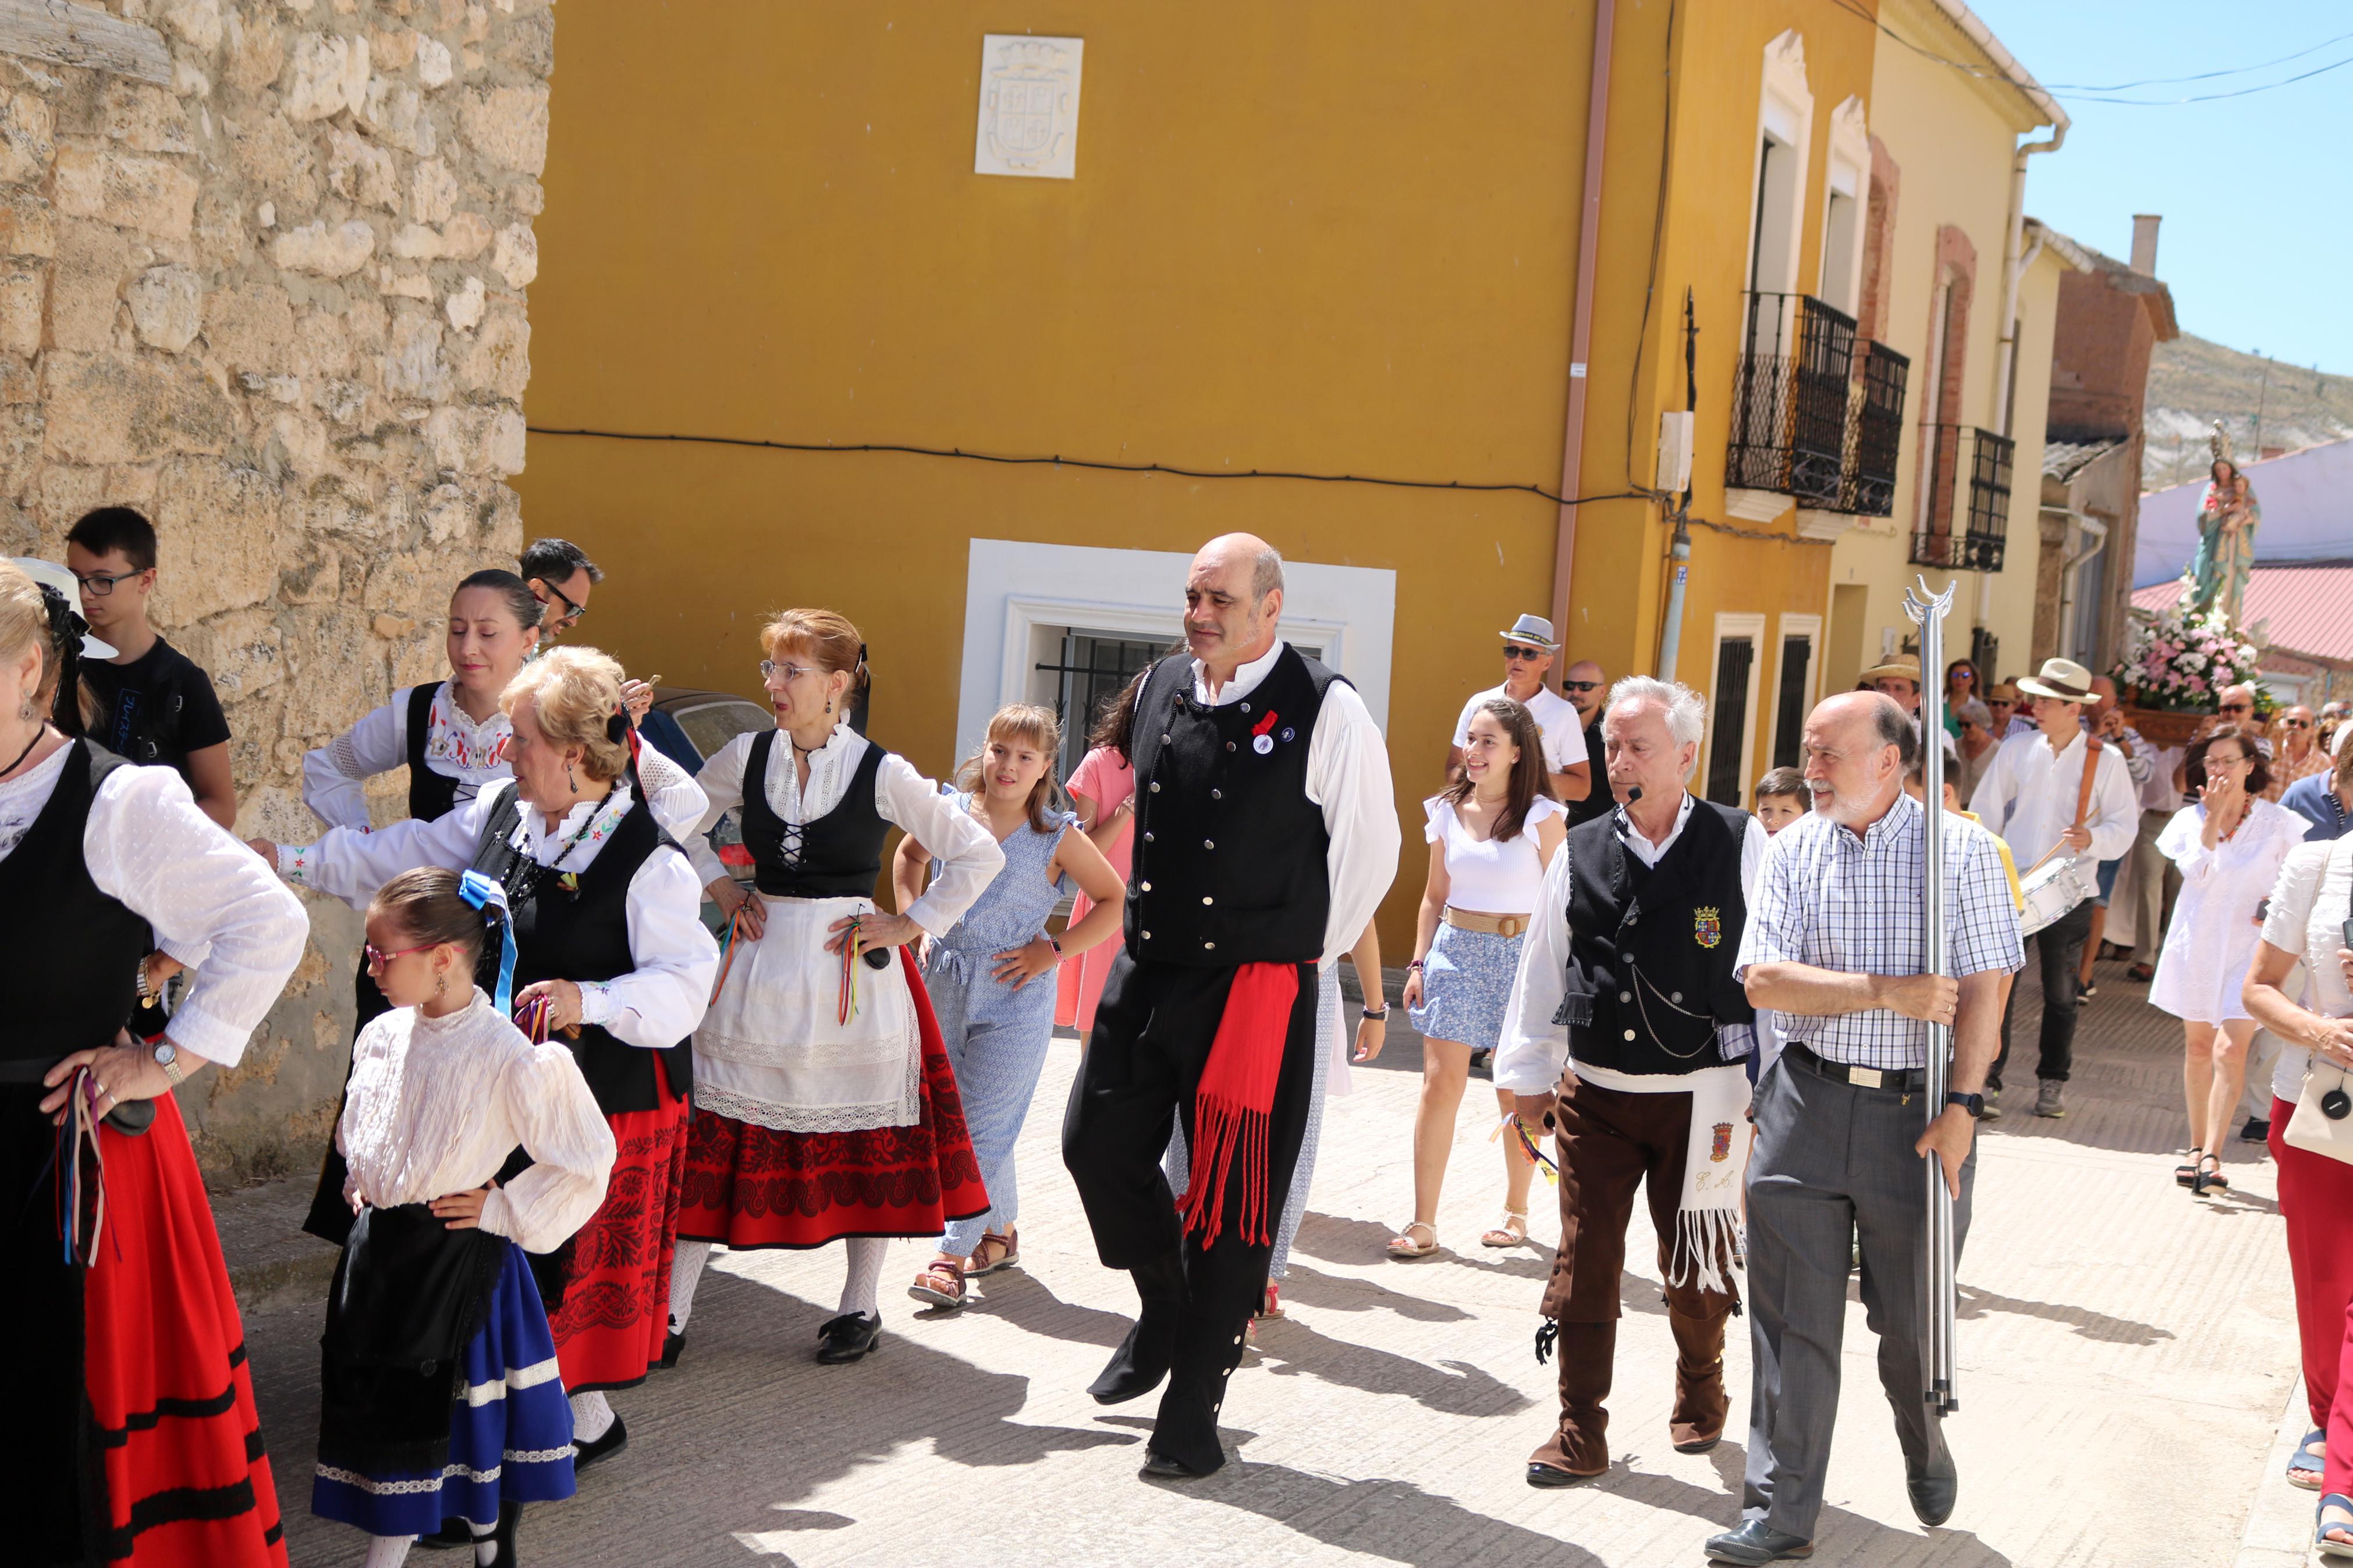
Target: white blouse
435,1104
2310,904
964,857
335,775
1490,876
149,848
656,1005
2210,945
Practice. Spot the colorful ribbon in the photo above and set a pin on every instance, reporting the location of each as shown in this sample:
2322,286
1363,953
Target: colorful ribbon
1536,1156
485,894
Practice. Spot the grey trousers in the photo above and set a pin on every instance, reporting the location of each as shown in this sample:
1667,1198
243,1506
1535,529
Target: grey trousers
1833,1163
2153,878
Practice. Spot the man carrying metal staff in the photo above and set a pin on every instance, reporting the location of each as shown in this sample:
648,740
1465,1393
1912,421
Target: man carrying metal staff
1835,945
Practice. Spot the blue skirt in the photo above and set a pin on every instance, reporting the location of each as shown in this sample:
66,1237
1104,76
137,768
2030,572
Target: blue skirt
510,1430
1466,984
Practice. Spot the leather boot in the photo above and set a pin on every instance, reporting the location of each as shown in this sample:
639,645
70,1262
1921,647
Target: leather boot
1695,1424
1141,1360
1581,1446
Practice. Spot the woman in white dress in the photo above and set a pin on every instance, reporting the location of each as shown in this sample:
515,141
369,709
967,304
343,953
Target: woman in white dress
2229,846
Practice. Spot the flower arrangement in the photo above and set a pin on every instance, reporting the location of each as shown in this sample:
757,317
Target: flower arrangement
2179,659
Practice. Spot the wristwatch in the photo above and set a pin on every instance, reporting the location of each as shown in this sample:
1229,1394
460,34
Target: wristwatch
1973,1103
1377,1017
168,1056
1053,942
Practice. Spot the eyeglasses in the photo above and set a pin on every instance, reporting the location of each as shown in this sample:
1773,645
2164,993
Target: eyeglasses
1580,685
770,670
2225,760
572,610
377,958
2295,723
2237,708
99,584
1514,652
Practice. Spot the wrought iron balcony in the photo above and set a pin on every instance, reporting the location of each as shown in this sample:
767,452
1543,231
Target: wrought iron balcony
1964,521
1874,432
1789,401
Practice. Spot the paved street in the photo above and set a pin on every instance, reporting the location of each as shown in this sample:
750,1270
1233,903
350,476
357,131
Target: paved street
2125,1352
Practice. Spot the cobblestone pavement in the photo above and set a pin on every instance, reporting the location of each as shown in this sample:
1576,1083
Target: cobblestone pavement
2125,1352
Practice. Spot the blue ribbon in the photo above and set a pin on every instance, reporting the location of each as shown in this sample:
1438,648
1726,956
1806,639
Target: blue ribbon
486,893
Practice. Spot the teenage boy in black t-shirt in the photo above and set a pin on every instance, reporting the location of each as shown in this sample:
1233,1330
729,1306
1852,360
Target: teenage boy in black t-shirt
154,704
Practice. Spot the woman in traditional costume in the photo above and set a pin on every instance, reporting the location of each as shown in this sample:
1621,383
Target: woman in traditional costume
824,1108
439,1395
611,952
136,1437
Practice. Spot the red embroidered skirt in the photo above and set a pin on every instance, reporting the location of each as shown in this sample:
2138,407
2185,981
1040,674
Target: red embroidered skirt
751,1186
615,1308
170,1414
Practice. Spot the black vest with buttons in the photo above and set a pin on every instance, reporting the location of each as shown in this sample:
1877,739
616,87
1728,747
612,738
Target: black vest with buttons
75,955
1230,854
1652,948
837,855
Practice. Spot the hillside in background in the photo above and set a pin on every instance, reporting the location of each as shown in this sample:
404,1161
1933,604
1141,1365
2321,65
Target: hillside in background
2192,382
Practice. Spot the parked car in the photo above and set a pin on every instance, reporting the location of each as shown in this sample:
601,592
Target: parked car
689,726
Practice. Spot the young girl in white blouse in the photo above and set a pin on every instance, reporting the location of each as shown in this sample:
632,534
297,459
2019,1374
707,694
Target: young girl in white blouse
443,1088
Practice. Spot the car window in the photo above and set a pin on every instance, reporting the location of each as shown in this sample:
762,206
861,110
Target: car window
710,725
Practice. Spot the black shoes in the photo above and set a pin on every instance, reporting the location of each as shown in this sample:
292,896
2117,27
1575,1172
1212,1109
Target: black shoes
1158,1467
2256,1131
673,1343
851,1337
616,1438
1933,1490
1755,1542
1545,1475
1141,1360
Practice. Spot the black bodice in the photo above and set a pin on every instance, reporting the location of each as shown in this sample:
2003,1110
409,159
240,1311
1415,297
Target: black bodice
74,956
837,855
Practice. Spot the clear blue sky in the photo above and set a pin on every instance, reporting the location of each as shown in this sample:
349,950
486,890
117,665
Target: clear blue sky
2256,192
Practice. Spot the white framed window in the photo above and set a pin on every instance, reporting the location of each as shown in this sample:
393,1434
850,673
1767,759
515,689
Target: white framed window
1846,190
1797,686
1729,752
1031,610
1785,115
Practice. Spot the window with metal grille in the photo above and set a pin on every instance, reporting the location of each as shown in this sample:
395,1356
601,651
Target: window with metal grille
1874,432
1789,711
1964,531
1093,670
1734,658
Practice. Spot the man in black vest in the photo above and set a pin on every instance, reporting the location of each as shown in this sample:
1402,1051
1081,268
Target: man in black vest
1627,974
1266,835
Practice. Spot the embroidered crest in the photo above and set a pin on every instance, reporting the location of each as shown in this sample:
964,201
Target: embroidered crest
1721,1149
1707,925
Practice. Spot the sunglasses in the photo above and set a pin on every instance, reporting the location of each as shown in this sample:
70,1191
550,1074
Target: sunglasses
2295,723
1581,685
2237,708
1514,652
377,959
573,611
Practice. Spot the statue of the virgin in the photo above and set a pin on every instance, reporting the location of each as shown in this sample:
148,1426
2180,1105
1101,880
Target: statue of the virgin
2227,516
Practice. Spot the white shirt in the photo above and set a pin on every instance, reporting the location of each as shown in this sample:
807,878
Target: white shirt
2210,945
2310,904
334,777
1532,1049
964,857
435,1106
1348,777
657,1005
1556,720
150,848
2028,797
1490,876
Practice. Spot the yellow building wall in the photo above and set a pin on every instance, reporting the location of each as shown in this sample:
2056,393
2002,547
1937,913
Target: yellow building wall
1953,137
1312,237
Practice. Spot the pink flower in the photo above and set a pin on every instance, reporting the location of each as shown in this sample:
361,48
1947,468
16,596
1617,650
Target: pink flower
2197,685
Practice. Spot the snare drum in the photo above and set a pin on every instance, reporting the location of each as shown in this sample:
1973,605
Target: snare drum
2052,888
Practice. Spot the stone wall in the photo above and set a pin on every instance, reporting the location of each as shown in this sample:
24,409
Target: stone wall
263,277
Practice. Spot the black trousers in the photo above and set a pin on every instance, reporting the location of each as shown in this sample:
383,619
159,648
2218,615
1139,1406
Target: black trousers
1151,1036
2059,951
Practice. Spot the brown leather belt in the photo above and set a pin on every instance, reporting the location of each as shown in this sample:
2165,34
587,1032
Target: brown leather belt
1497,925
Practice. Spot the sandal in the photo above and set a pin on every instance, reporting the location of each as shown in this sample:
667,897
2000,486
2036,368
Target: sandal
2213,1181
1271,1304
2187,1176
1404,1246
1513,1230
941,1284
2143,972
2322,1525
2310,1456
1006,1254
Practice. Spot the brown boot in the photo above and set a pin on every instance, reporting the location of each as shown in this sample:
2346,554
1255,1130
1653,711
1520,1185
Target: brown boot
1580,1448
1697,1422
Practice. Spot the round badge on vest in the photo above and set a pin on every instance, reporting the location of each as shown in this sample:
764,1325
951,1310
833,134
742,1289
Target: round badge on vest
1263,745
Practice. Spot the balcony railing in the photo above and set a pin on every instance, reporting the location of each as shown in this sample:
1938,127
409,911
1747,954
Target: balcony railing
1964,519
1874,432
1790,399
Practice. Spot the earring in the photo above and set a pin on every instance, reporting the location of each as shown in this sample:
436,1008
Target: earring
571,778
829,705
441,984
25,710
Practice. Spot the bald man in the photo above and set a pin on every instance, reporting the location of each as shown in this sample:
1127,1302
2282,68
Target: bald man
1266,835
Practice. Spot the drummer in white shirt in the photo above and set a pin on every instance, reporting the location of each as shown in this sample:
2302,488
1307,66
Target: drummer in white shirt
1529,648
2030,798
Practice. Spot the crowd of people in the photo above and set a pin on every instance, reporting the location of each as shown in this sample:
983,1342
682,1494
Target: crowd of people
568,1085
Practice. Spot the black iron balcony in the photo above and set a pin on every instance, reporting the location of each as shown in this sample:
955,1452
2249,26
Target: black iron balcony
1874,432
1964,519
1789,400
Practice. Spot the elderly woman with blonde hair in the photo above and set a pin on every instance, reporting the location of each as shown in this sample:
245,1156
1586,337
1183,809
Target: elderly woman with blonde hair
609,949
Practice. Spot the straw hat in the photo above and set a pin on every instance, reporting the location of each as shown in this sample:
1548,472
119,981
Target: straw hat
1894,670
2060,678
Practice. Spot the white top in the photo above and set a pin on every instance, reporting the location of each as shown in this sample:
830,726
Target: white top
2210,945
434,1105
1491,877
2310,904
1348,777
1556,722
150,848
964,857
1532,1049
656,1005
334,777
2028,797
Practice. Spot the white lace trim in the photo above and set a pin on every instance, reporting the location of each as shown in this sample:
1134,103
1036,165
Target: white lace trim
804,1118
532,1376
449,1472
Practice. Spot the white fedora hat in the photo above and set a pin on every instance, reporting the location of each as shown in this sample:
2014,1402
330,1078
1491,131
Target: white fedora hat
2060,678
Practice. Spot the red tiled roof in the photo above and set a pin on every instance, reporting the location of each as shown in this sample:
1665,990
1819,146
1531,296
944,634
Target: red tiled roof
2309,608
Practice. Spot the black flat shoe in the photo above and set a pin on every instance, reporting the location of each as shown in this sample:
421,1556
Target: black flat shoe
674,1346
1161,1468
1933,1491
453,1532
1545,1475
1143,1359
852,1336
1757,1542
616,1438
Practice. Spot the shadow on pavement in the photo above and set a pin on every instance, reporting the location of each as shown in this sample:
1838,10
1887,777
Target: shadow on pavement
1344,1294
1975,1302
1288,1348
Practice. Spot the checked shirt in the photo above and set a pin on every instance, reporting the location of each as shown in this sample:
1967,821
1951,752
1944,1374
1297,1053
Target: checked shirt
1839,900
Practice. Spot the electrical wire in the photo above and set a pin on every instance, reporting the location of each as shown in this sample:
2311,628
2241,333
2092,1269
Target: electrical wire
1058,460
2218,97
2200,76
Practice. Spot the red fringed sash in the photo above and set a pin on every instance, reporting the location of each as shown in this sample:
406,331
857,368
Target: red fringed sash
1235,1102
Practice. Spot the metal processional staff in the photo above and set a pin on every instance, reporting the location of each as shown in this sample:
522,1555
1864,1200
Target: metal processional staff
1927,611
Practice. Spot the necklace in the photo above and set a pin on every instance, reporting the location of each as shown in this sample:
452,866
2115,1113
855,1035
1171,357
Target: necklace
39,732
